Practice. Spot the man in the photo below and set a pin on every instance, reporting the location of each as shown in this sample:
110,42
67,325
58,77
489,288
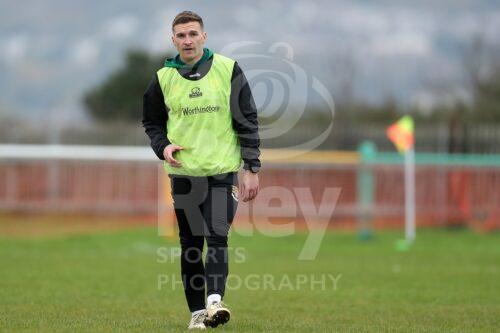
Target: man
201,118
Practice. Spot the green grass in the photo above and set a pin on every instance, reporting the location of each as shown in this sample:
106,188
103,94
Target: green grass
447,282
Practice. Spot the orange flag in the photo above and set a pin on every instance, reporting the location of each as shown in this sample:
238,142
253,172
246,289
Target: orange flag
401,134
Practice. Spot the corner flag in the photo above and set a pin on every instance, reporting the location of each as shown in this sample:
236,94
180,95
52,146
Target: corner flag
401,134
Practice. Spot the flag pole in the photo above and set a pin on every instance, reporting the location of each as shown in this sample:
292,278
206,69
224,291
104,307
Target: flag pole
410,231
401,133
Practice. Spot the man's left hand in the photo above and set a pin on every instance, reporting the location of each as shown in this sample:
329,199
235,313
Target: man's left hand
249,185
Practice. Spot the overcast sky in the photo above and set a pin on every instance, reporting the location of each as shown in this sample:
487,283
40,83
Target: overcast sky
53,51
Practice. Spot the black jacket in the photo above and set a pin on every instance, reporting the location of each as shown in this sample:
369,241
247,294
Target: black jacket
242,105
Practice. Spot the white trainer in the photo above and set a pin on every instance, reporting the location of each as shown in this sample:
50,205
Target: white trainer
198,321
217,314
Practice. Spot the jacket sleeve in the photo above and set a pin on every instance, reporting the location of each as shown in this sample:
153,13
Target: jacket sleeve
155,117
244,119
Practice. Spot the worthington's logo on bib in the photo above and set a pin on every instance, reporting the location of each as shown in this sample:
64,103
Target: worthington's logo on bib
187,111
195,92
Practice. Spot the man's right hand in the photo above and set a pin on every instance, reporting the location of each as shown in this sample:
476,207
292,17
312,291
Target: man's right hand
168,153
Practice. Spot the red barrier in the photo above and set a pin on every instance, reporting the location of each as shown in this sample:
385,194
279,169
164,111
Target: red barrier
446,196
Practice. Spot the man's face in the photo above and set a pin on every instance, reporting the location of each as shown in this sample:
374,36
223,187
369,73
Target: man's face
189,39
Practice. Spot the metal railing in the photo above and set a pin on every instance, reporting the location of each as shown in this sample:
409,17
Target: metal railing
450,189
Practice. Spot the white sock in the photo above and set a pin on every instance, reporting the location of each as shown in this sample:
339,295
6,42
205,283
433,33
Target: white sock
196,312
213,298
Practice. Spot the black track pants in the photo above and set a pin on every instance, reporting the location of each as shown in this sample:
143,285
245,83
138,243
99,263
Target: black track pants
205,208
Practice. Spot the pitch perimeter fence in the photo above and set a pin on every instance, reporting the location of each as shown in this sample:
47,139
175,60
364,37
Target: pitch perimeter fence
451,190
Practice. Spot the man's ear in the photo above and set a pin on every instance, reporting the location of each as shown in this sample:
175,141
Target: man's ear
204,35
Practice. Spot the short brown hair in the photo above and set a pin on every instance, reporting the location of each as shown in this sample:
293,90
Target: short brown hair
185,17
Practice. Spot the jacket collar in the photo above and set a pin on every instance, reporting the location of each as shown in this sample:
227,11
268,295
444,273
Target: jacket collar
176,61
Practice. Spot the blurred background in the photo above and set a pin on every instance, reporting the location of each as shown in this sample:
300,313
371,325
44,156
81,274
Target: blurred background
327,76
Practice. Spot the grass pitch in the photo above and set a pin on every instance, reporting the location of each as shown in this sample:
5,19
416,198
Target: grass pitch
117,282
